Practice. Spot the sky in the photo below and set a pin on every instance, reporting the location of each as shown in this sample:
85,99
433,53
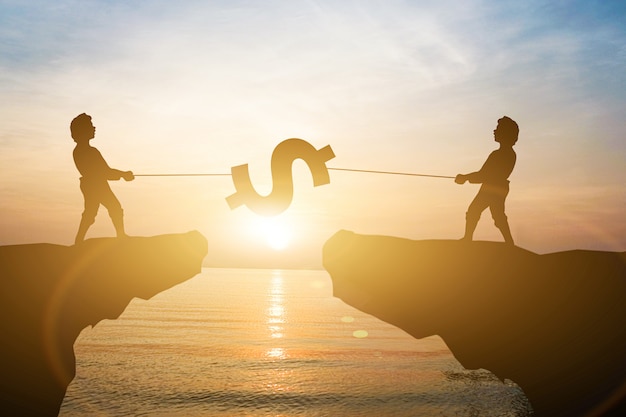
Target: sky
408,86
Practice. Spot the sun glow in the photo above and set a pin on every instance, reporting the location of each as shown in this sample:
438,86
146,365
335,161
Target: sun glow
276,233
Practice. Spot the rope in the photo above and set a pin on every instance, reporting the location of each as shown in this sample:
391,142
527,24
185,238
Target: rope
390,173
330,169
182,175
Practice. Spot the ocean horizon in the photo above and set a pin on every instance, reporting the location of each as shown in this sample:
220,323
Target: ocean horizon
260,342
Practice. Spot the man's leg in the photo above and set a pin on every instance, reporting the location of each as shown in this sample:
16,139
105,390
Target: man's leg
475,209
89,214
110,201
500,219
117,218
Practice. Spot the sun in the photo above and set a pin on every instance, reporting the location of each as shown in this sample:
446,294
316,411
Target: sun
276,233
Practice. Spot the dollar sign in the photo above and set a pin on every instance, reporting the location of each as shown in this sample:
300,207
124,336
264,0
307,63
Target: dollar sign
282,183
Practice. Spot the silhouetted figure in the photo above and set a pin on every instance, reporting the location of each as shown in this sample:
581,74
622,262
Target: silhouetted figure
95,176
494,176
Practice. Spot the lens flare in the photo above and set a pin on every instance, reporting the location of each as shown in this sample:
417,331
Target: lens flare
360,334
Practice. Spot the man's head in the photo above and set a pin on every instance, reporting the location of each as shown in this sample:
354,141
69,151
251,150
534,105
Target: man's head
507,131
82,129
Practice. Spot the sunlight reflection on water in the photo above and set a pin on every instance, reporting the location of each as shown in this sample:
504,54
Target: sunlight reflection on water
275,313
260,343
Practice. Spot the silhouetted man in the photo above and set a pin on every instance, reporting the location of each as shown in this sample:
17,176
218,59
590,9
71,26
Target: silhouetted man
494,176
95,176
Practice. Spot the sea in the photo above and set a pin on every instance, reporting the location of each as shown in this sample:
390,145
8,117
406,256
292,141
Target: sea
261,342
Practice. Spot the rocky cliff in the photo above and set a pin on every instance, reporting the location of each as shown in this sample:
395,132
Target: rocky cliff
49,293
555,324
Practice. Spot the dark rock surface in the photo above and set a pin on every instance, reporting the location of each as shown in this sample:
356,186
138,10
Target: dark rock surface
555,324
50,293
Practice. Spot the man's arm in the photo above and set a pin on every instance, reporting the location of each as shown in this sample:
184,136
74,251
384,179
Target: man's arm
476,177
496,169
115,174
473,177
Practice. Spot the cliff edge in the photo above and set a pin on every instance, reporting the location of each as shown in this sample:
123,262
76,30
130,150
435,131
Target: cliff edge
50,293
555,324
